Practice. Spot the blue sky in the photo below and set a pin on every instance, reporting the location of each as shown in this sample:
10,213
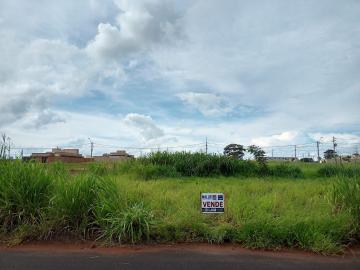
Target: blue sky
153,73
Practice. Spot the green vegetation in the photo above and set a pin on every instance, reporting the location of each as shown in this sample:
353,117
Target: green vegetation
346,195
156,199
183,164
25,191
340,170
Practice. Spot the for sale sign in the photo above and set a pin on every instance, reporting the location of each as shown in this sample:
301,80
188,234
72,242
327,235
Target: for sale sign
212,202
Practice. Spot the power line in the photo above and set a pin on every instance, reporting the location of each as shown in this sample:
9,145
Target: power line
318,150
206,146
149,148
45,148
334,143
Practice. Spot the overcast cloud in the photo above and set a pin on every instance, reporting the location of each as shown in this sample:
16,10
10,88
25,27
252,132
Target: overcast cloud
158,73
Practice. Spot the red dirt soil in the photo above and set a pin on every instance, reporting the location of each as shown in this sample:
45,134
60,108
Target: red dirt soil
89,246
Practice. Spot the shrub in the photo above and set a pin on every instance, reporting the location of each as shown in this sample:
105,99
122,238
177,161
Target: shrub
196,164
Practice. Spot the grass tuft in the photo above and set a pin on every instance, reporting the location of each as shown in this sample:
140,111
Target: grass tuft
71,208
25,190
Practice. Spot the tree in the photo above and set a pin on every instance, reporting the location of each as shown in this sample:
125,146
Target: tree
258,153
329,154
234,150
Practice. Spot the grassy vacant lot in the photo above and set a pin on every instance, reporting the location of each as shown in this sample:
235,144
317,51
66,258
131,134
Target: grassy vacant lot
311,206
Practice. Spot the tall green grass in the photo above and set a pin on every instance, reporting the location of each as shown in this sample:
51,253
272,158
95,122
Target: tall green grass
193,164
71,207
38,201
119,217
204,165
185,164
346,195
348,170
113,204
25,191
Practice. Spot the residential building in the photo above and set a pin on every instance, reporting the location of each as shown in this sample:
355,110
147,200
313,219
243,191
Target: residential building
58,154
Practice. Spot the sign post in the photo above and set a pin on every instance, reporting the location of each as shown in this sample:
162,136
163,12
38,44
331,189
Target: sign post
212,203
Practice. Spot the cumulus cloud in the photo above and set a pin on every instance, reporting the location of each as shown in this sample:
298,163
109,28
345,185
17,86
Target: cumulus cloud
138,26
44,70
145,125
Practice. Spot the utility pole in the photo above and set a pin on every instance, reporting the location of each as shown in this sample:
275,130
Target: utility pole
9,140
206,146
334,143
295,150
91,147
318,150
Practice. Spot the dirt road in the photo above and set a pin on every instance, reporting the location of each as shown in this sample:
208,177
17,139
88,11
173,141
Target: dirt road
165,257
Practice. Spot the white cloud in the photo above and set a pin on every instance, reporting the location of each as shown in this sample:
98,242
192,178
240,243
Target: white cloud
283,138
44,118
44,70
341,137
208,104
294,59
138,27
295,63
145,125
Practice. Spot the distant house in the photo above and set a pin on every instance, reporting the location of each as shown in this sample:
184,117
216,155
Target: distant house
58,154
114,156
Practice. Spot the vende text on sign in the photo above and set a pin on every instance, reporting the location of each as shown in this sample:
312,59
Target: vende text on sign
212,202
